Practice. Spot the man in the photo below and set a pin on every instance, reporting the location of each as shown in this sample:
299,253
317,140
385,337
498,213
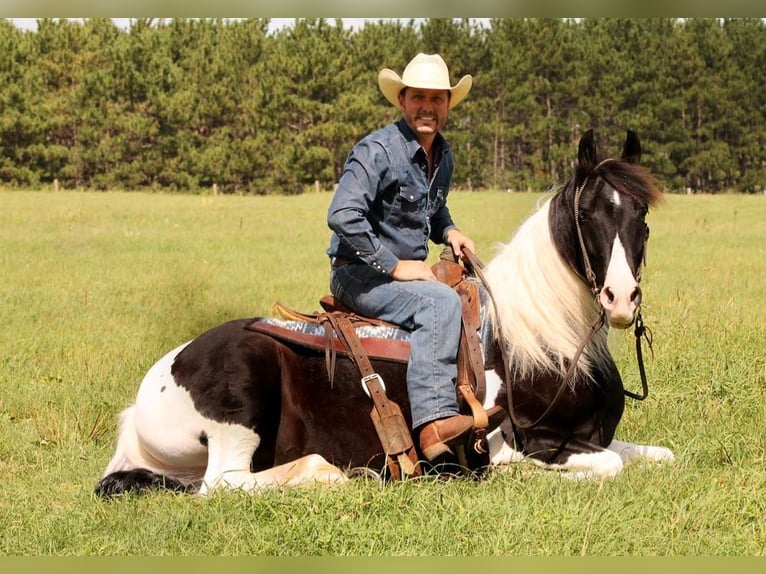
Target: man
390,201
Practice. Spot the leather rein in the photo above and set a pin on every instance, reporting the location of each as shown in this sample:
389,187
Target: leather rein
640,332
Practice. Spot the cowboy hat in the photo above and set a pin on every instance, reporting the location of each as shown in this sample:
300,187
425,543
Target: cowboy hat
426,71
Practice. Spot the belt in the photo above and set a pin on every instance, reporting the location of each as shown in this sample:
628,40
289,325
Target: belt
336,262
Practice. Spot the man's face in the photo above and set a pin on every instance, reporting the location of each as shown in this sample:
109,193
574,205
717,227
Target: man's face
425,111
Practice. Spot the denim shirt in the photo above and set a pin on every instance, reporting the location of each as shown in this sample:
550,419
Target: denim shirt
384,208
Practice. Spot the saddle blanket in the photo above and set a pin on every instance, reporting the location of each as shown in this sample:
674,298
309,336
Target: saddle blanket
380,341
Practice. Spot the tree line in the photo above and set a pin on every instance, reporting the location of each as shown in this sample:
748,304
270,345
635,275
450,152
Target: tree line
197,104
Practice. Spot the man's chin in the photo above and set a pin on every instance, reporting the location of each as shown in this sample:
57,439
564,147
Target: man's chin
427,130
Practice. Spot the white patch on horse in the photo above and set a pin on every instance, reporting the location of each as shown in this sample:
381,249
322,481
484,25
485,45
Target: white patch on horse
168,425
616,199
500,452
493,383
603,464
617,294
155,432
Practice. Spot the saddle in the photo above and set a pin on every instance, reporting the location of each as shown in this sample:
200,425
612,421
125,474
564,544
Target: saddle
340,335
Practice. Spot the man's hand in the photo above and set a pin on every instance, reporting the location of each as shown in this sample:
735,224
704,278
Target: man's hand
458,242
413,270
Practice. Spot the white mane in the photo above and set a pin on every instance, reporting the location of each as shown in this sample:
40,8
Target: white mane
545,310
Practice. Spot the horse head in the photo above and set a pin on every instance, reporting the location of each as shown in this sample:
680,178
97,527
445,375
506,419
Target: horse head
601,217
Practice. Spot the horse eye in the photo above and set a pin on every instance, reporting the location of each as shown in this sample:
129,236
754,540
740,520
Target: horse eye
582,215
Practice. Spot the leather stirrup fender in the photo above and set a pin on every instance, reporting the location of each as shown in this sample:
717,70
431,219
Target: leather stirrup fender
387,417
393,432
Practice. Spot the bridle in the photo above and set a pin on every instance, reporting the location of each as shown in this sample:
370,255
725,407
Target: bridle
640,332
589,274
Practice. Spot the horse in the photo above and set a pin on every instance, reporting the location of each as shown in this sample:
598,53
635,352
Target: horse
239,409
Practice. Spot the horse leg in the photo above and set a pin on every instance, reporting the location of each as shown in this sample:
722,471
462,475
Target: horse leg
307,470
230,451
500,452
579,465
574,458
610,461
629,451
586,465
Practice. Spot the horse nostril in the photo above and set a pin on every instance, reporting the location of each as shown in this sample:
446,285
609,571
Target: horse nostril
636,296
609,295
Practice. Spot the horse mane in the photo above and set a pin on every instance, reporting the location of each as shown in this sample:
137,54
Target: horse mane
543,308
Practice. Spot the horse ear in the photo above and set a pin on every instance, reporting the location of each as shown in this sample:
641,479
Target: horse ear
586,152
631,151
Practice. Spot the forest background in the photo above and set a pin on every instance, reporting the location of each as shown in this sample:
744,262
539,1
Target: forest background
194,105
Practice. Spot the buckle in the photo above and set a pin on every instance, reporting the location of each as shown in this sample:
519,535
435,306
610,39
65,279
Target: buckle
368,378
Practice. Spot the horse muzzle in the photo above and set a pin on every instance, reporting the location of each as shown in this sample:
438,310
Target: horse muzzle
620,304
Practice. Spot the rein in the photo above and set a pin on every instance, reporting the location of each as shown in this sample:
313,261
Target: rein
640,332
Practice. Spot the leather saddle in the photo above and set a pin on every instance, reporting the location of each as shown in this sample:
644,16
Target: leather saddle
338,330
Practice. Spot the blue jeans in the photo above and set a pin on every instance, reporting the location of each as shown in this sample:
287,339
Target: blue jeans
431,311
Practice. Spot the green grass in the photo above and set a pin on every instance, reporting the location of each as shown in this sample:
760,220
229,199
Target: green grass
96,286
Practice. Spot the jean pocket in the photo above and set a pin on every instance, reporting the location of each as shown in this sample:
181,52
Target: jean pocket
336,285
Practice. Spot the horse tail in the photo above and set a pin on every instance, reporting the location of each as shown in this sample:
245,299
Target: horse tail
125,472
137,480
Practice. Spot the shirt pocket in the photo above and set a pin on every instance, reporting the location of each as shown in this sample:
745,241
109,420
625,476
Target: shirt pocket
410,207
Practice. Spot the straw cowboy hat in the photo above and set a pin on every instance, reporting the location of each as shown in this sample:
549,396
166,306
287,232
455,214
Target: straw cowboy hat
427,71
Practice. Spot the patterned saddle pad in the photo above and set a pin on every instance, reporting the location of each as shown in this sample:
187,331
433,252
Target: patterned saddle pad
380,341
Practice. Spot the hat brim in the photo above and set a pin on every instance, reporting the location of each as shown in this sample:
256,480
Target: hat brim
391,84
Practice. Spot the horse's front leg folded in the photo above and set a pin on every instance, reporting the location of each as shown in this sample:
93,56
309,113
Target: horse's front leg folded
629,451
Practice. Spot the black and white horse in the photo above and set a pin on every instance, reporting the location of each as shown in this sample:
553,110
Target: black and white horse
239,409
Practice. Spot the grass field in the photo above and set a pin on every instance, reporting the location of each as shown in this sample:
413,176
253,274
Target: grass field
96,286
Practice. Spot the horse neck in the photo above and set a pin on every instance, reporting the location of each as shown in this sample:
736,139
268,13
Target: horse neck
543,309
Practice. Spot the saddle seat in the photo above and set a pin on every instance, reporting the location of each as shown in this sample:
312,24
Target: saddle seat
380,340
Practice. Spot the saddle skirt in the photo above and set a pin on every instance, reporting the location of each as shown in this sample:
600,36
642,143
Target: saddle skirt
380,340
